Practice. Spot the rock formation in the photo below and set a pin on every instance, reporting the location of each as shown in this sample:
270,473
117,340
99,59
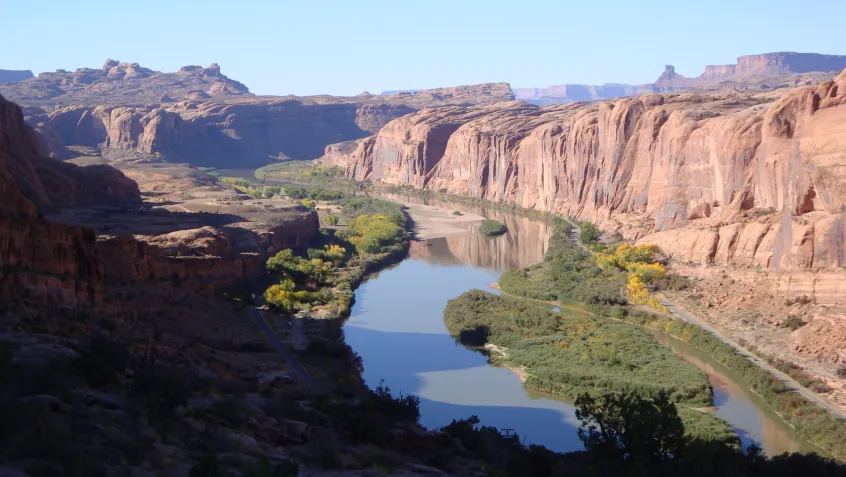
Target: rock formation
762,72
13,76
48,265
751,180
200,116
780,67
120,83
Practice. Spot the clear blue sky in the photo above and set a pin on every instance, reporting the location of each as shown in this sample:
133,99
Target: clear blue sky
348,46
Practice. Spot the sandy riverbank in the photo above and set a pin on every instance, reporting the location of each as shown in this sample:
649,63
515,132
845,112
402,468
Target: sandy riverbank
434,222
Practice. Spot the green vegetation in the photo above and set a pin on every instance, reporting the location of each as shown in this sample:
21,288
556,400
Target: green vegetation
325,277
353,207
317,193
252,189
568,274
375,234
588,233
572,353
626,434
307,173
601,283
811,421
491,228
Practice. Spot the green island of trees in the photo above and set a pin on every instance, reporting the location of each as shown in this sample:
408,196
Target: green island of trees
491,228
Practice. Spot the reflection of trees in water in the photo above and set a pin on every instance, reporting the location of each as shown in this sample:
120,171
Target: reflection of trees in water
524,244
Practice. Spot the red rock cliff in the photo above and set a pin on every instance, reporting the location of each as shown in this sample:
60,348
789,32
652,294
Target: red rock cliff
655,168
46,265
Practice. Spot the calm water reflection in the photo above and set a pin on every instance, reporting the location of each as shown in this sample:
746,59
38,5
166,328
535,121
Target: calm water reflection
397,327
747,413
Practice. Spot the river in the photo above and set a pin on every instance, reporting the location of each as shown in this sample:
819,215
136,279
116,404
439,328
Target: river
397,327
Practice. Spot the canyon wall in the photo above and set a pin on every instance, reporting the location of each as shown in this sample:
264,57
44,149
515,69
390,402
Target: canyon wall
211,133
750,180
48,265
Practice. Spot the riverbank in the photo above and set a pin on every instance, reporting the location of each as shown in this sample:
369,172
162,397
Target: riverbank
813,423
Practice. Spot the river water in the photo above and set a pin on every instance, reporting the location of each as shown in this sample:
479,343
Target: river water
397,327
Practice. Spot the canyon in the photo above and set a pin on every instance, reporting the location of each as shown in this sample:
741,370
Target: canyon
753,180
733,187
199,115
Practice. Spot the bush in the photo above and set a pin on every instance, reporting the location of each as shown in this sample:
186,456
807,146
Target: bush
456,212
793,323
588,233
330,220
374,234
490,228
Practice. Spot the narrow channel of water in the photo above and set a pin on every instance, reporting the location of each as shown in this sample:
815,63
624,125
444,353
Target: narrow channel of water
397,327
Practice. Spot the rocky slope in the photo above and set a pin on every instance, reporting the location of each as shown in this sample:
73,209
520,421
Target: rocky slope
52,264
723,178
13,76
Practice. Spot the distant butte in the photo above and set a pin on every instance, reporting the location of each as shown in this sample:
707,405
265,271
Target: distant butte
751,73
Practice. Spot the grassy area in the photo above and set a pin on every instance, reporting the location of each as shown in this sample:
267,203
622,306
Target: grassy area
813,423
600,282
572,352
491,228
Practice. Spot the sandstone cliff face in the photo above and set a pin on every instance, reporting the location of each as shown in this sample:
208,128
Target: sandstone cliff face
655,168
211,133
47,265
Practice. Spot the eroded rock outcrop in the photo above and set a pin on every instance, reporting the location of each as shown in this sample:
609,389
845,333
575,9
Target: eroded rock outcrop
48,265
751,180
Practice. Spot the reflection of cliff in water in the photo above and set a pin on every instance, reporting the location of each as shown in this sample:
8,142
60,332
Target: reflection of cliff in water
746,412
523,244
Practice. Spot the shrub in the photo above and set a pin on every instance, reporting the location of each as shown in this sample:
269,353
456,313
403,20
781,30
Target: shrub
456,212
793,323
490,228
589,233
330,220
373,234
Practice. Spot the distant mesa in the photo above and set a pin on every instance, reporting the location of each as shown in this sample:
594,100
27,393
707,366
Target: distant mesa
751,69
750,73
13,76
401,91
119,83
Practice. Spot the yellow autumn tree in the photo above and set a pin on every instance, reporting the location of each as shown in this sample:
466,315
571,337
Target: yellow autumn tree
335,253
281,295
